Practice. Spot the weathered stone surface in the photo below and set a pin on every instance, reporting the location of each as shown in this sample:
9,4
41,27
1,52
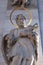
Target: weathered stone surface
6,29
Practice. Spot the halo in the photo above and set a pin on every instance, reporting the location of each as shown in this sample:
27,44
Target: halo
20,8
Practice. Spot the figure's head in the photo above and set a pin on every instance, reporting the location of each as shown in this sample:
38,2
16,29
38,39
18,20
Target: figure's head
20,20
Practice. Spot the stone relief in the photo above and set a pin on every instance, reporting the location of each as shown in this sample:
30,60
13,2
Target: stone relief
20,45
26,3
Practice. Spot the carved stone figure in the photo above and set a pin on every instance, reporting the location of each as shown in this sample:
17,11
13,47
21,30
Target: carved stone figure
20,45
19,2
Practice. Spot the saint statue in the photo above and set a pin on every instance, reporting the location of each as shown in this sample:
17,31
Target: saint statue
20,45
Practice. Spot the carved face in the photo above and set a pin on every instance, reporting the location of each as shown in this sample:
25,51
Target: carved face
20,20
